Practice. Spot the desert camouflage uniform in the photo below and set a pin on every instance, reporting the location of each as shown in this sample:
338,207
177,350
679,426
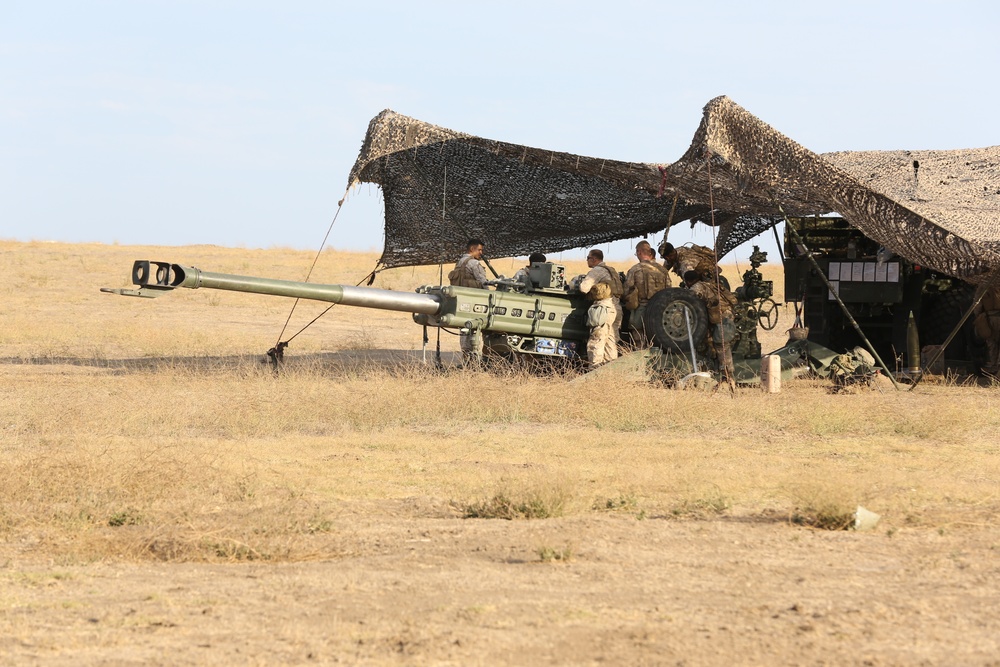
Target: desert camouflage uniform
696,258
472,343
522,276
722,330
601,273
474,267
987,327
854,367
644,280
601,346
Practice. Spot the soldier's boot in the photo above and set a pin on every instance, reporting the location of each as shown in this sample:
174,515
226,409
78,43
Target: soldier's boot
475,359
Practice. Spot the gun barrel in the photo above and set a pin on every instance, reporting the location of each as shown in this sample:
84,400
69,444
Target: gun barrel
154,278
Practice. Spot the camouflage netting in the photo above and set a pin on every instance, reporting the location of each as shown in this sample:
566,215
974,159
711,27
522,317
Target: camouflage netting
520,199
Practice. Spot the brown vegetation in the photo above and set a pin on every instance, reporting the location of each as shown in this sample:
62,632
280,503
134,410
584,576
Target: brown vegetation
148,433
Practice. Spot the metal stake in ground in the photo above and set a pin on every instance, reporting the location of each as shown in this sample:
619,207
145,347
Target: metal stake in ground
694,359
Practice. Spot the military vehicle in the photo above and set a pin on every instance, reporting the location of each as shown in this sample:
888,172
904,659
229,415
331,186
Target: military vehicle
880,289
543,319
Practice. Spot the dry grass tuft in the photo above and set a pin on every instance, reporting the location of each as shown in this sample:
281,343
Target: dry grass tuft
621,503
548,554
709,504
513,500
829,517
825,505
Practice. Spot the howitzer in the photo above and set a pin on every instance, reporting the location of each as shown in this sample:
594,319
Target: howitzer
545,319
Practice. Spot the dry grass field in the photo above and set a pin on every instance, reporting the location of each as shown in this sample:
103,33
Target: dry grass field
167,498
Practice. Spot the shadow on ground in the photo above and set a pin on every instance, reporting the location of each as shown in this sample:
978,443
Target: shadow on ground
331,362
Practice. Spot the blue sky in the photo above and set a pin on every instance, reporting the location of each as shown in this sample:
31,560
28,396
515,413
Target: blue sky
236,123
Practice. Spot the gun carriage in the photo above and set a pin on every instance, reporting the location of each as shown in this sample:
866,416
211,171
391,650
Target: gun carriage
544,318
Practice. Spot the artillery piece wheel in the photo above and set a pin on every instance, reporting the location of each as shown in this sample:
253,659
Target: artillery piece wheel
750,314
665,318
767,313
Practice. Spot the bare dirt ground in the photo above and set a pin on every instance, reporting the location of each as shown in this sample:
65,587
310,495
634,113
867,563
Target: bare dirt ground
423,590
399,577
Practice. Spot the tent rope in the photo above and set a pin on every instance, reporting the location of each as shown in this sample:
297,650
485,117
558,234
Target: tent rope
276,353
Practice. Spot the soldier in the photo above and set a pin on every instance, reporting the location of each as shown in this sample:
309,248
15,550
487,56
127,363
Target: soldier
719,302
643,281
696,258
602,274
987,327
469,272
601,346
522,274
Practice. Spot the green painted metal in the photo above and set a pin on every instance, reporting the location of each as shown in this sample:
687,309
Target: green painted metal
538,315
547,322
